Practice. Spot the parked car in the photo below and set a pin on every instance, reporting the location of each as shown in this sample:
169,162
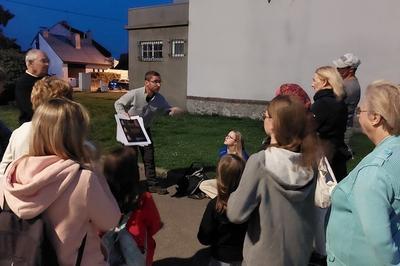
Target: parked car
118,84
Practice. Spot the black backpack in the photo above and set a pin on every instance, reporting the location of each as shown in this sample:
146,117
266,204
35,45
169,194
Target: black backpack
24,242
190,181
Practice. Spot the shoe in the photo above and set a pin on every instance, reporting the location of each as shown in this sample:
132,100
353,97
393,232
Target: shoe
157,189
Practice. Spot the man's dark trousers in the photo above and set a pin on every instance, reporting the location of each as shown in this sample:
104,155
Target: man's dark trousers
147,153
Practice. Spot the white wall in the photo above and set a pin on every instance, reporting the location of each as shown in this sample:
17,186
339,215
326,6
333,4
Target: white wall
241,49
56,66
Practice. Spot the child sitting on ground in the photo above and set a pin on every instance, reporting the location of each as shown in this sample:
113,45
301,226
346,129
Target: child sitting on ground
233,144
122,173
226,239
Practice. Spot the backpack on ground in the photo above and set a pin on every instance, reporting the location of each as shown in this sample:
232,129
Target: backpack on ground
122,248
189,183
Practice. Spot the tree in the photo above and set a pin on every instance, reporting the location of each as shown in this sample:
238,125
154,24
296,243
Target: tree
5,42
11,58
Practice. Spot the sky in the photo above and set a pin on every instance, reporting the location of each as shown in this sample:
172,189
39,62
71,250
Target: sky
106,19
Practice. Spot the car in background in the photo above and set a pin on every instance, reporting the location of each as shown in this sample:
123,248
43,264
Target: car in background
118,84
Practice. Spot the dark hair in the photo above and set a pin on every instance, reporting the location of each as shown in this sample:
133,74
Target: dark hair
229,171
122,173
150,74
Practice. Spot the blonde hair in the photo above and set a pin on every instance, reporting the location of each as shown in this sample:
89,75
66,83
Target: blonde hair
383,98
59,127
333,79
239,143
48,88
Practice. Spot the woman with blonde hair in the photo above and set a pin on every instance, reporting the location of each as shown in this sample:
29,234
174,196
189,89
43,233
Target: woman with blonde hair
233,144
330,113
43,90
367,202
56,180
276,192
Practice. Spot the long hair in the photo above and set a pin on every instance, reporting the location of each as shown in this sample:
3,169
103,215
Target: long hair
60,127
239,143
334,80
122,174
293,128
229,171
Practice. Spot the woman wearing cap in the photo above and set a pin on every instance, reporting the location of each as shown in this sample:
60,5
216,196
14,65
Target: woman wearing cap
330,115
363,228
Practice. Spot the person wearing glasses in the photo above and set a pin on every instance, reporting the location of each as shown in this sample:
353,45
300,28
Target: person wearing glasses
364,224
233,144
276,192
37,65
147,102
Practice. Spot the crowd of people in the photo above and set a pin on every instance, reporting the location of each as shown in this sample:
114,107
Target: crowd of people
262,209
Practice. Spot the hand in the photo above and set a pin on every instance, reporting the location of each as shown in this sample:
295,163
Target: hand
175,111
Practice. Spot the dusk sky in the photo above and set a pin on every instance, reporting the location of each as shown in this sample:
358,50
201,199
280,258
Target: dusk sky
105,18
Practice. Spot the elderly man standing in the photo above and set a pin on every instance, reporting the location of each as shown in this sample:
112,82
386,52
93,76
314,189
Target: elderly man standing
37,65
147,102
347,66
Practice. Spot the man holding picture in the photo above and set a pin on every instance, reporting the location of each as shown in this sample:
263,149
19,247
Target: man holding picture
147,103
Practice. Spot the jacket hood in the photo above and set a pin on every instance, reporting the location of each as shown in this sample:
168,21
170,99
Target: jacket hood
33,183
292,180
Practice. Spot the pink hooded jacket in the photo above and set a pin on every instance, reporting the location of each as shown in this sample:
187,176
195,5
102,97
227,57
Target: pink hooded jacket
73,202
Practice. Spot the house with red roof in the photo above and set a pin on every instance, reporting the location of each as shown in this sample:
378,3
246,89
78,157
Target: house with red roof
71,51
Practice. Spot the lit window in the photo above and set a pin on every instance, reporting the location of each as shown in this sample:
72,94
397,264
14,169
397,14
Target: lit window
178,48
151,50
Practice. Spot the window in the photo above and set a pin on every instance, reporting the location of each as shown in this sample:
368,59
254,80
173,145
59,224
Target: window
151,50
178,48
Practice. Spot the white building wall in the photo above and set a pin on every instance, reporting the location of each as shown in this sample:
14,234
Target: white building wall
56,66
242,49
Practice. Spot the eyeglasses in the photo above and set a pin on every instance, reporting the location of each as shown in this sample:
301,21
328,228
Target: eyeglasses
230,137
156,81
359,111
265,116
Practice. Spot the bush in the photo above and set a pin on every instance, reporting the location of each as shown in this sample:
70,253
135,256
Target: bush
13,63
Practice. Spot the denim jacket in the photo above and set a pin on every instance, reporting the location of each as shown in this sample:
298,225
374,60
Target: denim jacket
365,218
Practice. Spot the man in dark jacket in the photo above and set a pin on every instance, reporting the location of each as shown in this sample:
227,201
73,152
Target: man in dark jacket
37,65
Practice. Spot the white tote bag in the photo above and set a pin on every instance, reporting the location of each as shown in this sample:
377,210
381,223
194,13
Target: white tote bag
326,182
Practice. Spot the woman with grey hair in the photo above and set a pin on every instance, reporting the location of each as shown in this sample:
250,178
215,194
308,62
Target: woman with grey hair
363,228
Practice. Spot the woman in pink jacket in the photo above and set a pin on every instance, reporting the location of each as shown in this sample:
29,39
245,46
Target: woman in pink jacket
56,179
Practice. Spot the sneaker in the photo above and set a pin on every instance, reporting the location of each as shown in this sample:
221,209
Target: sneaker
157,189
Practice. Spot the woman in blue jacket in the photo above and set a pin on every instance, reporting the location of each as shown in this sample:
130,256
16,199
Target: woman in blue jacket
364,226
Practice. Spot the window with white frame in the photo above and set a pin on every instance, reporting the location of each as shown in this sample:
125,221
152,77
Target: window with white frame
151,50
177,48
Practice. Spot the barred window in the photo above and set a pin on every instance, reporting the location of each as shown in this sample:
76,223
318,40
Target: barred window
151,50
178,48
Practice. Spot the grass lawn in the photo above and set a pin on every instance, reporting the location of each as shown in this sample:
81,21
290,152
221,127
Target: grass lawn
178,140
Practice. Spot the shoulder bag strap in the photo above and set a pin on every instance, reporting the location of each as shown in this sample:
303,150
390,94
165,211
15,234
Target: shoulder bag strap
80,251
